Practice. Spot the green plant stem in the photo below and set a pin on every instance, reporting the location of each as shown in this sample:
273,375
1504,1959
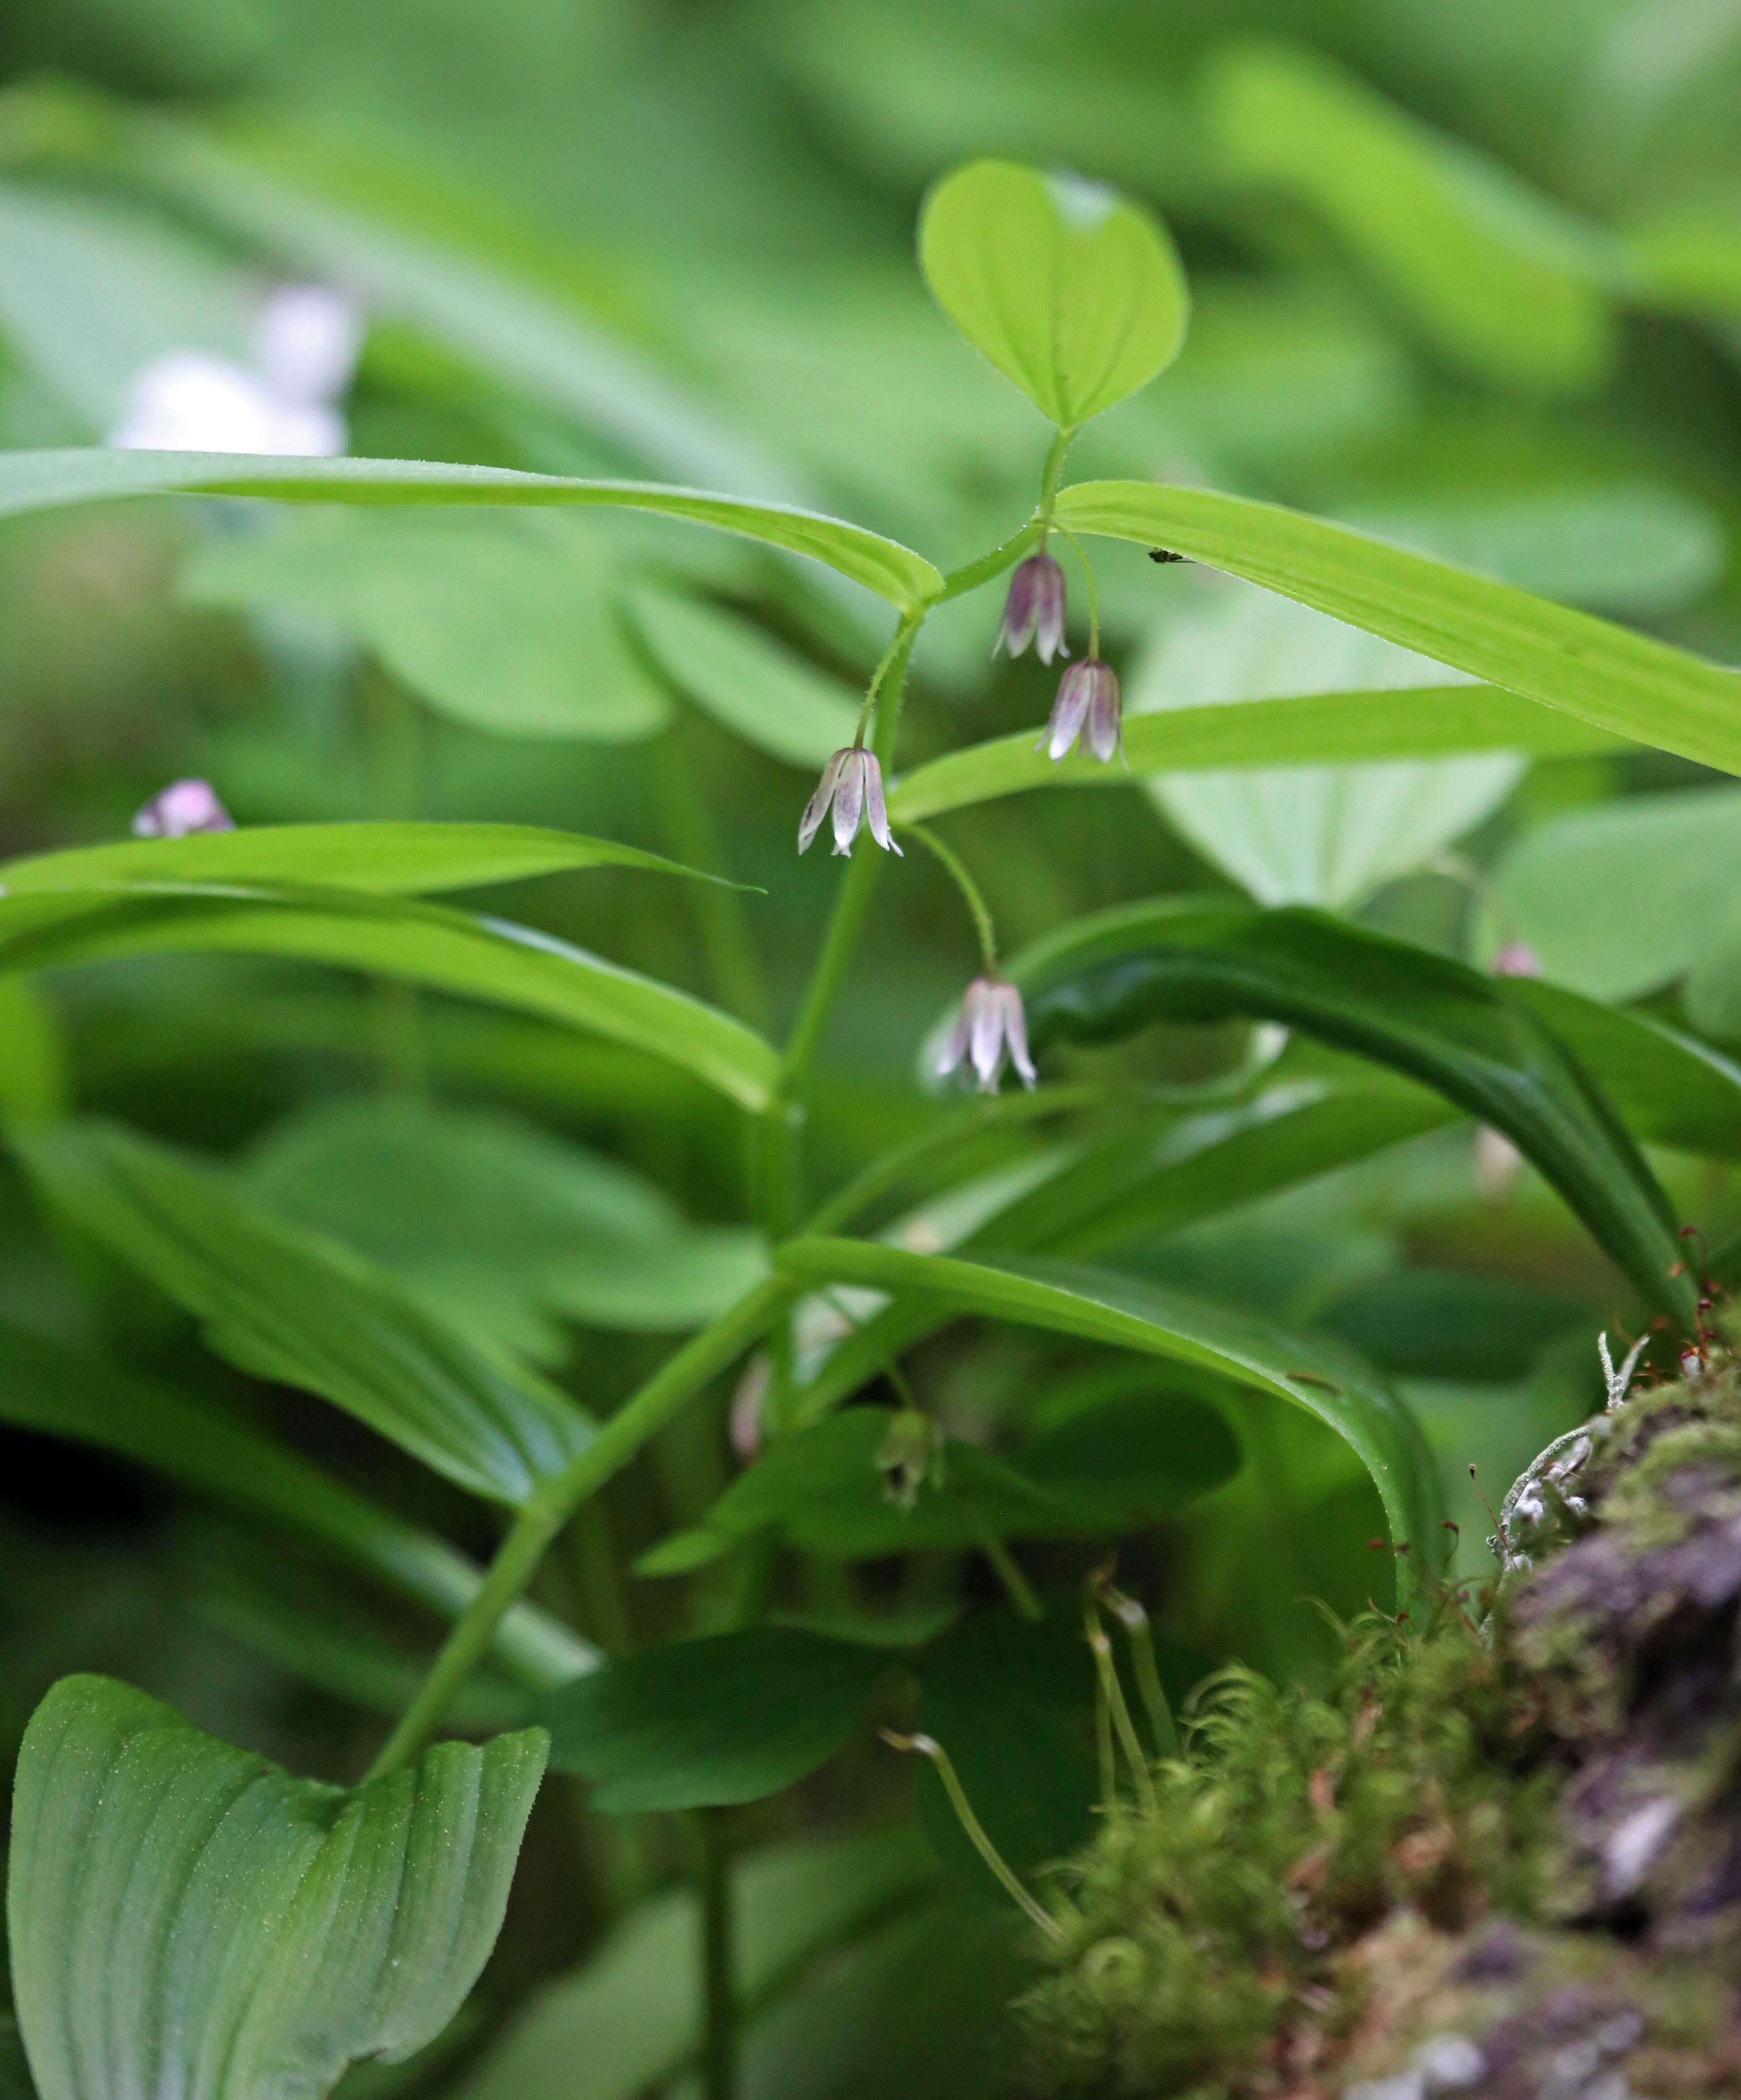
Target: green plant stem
1052,474
687,818
958,582
1135,1621
927,1746
1094,595
1116,1705
779,1177
555,1500
719,2054
1017,1587
509,1572
970,891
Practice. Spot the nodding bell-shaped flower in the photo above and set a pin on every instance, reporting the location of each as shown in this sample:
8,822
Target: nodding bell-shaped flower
852,781
184,806
1033,611
991,1021
1088,692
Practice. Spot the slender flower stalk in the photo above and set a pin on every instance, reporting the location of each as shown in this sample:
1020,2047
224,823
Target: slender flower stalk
1034,610
852,782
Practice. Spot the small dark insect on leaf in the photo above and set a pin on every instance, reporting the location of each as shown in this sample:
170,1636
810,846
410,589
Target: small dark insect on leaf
1165,554
1311,1377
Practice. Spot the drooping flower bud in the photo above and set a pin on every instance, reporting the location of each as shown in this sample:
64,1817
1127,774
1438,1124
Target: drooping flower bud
852,781
1517,958
1034,609
184,806
1087,692
910,1457
991,1021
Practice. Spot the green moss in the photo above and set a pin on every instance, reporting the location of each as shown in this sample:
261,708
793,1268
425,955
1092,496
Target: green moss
1196,1937
1310,1897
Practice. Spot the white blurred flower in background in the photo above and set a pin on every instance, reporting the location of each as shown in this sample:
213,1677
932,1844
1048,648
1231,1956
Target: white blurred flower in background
307,339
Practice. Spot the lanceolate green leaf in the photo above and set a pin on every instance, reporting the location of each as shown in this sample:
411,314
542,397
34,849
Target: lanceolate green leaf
185,1917
289,1305
1072,291
1147,1179
1423,1014
1321,728
45,480
58,1392
1098,1306
1622,682
386,860
426,944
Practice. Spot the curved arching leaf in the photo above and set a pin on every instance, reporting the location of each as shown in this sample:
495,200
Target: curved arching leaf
46,480
187,1918
1098,1306
385,859
1423,1014
289,1305
1074,292
1621,682
1318,729
430,945
57,1391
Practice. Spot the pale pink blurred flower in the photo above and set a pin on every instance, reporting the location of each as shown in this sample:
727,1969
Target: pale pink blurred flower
991,1023
184,806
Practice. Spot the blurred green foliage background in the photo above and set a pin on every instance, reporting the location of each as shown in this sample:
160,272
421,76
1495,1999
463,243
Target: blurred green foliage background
1467,274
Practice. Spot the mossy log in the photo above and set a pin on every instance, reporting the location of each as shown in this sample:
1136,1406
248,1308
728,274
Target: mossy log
1503,1858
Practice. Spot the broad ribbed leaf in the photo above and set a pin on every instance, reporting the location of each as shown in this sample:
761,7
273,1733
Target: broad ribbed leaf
1620,900
287,1304
1318,835
1620,681
46,480
186,1918
57,1391
1318,728
1423,1014
1072,291
426,944
385,859
704,1723
1098,1306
